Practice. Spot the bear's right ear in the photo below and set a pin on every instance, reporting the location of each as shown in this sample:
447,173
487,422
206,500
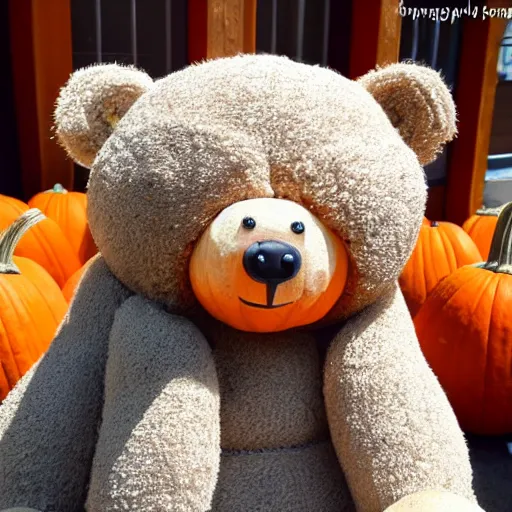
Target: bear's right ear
91,103
418,103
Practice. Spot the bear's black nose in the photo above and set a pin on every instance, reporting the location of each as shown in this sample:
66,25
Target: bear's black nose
272,262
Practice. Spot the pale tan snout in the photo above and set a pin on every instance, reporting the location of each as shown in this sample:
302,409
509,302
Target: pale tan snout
268,264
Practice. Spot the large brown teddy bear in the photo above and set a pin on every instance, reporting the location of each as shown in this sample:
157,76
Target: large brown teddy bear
250,212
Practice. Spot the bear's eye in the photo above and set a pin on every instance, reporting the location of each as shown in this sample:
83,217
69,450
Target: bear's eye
248,223
297,227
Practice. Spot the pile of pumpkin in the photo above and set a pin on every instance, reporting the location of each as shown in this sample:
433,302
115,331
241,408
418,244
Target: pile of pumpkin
44,247
458,287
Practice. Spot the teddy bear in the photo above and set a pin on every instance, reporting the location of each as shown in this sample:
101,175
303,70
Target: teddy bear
240,342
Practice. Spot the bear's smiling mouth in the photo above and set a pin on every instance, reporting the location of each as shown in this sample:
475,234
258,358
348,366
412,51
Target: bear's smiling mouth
263,306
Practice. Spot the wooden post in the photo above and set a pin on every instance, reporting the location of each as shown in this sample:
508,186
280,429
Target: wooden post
376,27
474,97
197,30
42,62
231,27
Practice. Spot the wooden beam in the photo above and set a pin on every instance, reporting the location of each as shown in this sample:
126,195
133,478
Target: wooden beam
231,27
474,97
375,41
42,62
197,30
250,26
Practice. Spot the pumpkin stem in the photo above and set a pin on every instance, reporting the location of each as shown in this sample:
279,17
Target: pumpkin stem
489,212
12,235
434,224
500,255
58,189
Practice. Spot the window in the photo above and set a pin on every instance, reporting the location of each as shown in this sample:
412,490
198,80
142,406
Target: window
505,55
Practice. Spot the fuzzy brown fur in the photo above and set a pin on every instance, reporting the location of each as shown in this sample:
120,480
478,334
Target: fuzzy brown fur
143,401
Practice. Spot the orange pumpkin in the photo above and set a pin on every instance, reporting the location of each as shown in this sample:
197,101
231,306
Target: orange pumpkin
465,332
72,283
69,211
442,247
45,243
9,204
267,265
480,227
31,306
425,222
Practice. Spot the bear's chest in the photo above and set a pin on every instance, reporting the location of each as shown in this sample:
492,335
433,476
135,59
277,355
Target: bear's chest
271,390
276,450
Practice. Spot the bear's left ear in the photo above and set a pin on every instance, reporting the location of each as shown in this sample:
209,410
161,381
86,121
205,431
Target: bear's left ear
418,103
91,103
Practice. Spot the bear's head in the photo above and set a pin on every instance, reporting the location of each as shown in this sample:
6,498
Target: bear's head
276,194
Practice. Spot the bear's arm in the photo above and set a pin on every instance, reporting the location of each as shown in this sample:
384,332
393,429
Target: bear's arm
48,423
159,443
391,424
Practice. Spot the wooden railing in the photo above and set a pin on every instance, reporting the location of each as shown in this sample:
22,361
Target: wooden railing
49,40
477,77
436,44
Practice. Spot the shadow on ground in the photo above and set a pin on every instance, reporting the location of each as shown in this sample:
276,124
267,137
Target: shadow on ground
491,458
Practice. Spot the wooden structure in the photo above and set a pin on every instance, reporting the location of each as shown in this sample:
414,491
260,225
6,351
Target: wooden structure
376,26
231,27
41,64
475,104
43,58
